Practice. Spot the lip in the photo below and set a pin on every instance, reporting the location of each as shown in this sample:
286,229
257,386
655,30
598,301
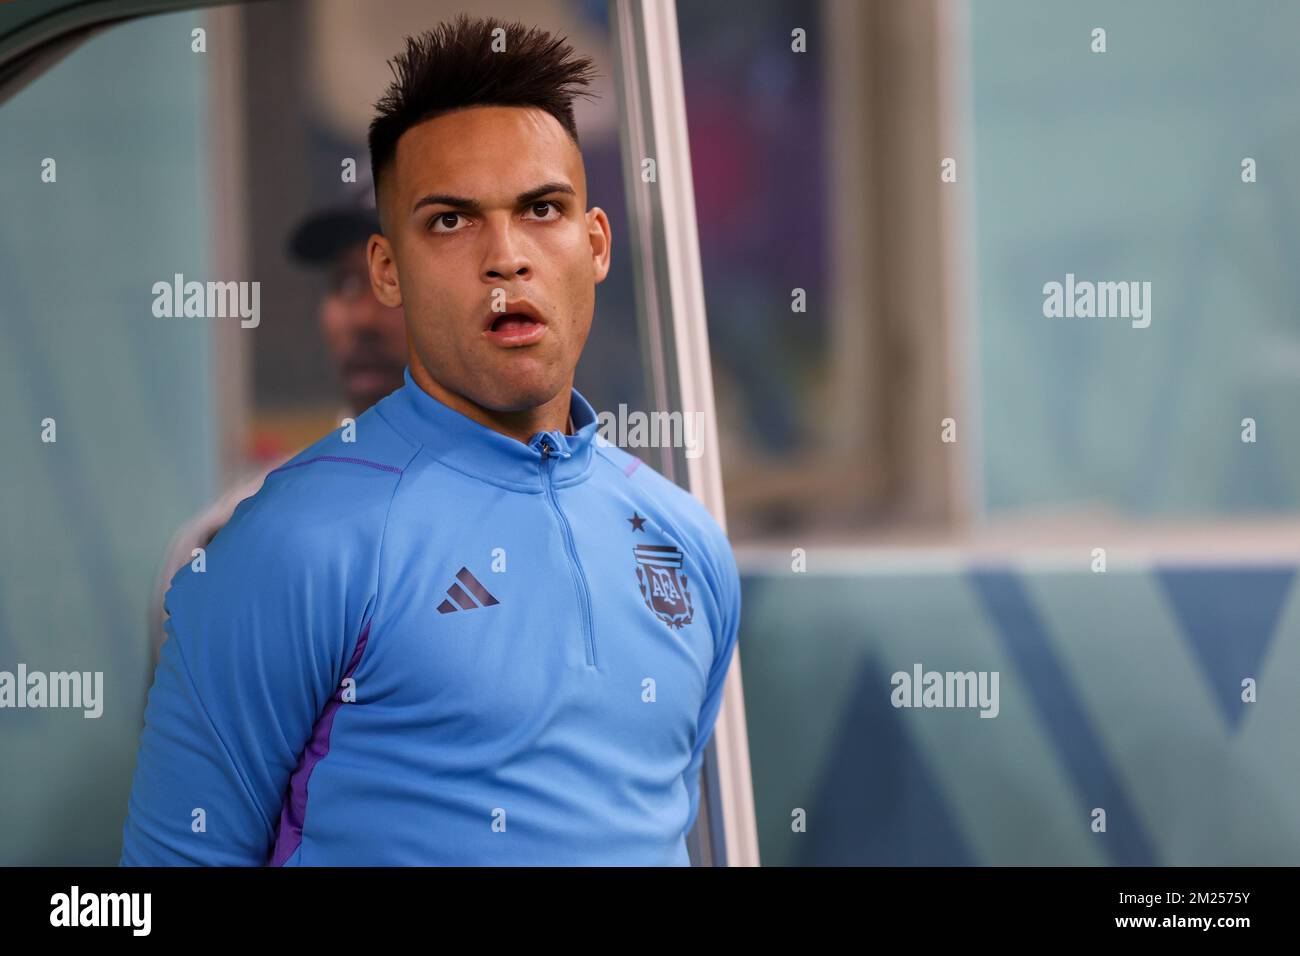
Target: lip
513,338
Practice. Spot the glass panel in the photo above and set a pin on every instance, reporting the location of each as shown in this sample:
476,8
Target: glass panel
106,191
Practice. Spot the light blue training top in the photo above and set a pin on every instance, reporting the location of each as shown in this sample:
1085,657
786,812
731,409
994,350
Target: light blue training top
435,644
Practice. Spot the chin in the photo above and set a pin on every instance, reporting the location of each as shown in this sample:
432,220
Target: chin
519,396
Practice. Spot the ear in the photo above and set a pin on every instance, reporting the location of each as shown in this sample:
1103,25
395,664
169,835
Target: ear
599,234
384,281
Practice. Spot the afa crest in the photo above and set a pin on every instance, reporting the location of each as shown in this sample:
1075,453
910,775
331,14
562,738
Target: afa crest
664,592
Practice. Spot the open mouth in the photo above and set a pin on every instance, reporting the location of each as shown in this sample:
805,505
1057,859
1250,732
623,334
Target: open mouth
512,329
513,323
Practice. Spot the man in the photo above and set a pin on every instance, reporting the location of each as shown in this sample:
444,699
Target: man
472,636
366,341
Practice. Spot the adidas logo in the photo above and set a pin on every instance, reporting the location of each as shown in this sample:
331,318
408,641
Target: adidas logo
457,594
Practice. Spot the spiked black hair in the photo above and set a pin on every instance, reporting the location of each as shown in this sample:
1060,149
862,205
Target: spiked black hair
476,61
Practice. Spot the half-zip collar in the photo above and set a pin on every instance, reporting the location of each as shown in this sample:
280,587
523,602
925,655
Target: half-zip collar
481,452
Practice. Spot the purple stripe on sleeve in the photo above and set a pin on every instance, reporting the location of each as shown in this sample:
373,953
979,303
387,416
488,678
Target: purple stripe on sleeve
294,809
350,461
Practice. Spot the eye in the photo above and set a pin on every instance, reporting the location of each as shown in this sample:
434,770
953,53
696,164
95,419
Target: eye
441,218
548,202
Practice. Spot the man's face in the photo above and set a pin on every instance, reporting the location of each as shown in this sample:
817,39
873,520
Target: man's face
366,339
482,199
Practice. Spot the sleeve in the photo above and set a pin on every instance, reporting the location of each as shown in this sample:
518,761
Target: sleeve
180,551
728,591
256,641
198,532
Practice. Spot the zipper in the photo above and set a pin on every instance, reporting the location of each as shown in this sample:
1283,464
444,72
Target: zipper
547,467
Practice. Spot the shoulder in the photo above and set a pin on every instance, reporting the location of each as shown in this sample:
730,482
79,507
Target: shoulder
351,455
334,492
689,518
200,529
304,549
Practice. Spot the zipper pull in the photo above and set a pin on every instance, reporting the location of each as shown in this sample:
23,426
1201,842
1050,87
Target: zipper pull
546,449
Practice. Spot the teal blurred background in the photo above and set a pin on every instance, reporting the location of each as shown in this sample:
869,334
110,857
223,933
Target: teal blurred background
1127,166
84,517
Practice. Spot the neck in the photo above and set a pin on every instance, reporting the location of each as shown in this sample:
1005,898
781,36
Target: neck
520,425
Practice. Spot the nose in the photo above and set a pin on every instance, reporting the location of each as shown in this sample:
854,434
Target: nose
504,258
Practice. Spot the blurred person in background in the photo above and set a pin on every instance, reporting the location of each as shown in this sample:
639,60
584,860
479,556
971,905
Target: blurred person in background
366,341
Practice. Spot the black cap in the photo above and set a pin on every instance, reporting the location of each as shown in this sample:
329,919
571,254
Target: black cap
326,232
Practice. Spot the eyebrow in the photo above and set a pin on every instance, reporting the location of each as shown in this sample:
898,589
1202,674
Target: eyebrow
474,206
